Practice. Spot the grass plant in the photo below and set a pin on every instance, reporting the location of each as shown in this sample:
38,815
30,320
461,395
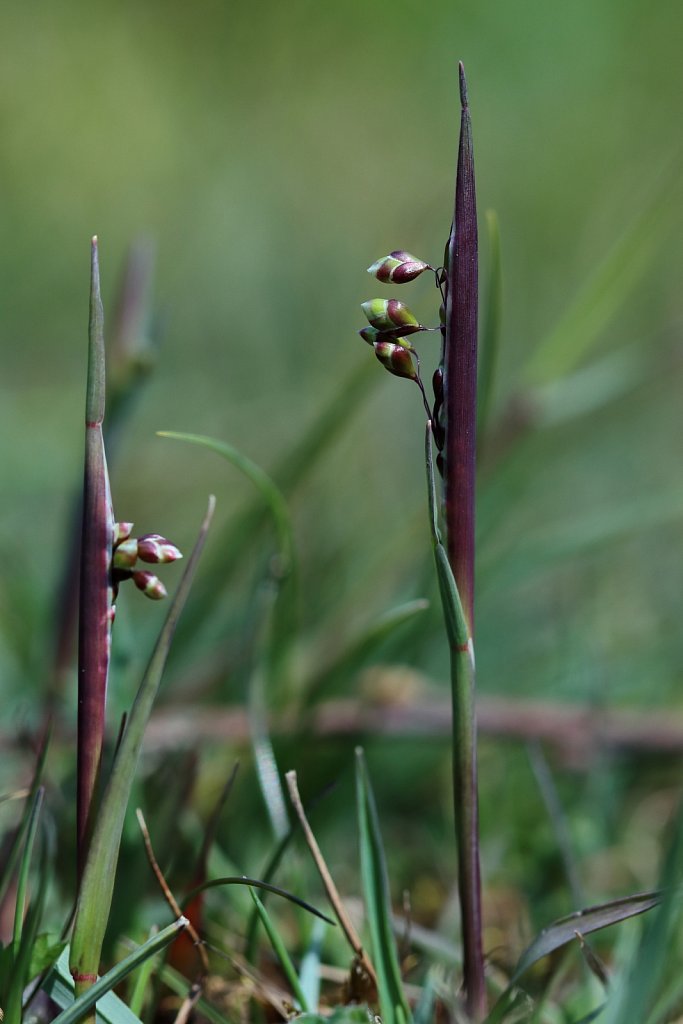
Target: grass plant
89,936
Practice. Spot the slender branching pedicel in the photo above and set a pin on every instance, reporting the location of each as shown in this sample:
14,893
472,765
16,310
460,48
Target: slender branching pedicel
451,423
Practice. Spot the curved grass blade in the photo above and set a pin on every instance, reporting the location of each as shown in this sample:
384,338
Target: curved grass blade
393,1004
360,649
280,952
14,852
606,291
592,919
257,884
269,777
270,492
94,898
240,534
111,1010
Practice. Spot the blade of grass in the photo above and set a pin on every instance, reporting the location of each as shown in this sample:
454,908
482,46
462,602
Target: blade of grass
270,492
634,994
141,979
212,883
10,861
114,1011
593,919
358,650
94,622
607,290
460,457
393,1004
558,819
280,952
309,972
333,896
267,875
240,535
22,882
94,899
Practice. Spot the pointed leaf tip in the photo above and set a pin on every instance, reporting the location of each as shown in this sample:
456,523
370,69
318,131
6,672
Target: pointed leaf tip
463,85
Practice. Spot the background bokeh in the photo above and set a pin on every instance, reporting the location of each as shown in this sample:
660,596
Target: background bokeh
272,151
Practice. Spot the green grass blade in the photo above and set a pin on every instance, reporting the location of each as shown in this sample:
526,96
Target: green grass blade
270,492
490,335
14,852
357,652
634,995
280,952
593,919
22,882
111,1009
140,982
309,972
94,899
240,535
258,884
393,1004
605,292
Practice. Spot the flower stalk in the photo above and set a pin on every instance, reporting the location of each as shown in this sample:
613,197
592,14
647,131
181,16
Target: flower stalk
95,607
460,401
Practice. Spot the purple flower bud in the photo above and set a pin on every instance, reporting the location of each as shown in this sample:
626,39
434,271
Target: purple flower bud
125,553
391,315
150,585
155,548
398,267
396,359
122,531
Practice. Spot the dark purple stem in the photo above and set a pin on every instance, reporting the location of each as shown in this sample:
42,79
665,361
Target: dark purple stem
460,396
94,626
460,370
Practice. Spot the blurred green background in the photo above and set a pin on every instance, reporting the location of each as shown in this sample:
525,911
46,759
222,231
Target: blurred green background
272,151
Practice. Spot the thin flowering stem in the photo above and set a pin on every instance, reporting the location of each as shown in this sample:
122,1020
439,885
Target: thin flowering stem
95,611
460,399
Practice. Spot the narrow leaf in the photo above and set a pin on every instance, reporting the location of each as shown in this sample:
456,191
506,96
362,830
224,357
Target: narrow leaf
270,492
584,921
393,1004
256,883
94,624
94,899
280,951
110,1010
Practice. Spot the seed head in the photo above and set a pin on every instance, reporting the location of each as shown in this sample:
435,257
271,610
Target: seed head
391,315
396,359
125,554
398,267
155,548
150,585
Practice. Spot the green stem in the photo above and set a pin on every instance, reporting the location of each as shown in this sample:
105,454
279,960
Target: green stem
464,745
